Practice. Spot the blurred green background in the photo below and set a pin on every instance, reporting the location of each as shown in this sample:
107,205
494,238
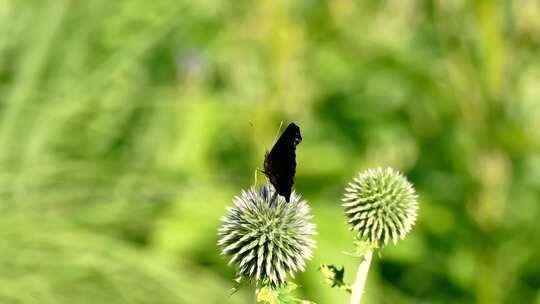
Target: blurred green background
127,126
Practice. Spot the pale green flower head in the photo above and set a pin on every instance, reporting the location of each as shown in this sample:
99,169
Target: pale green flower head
380,205
267,238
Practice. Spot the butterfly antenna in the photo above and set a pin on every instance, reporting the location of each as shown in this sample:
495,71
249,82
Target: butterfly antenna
278,131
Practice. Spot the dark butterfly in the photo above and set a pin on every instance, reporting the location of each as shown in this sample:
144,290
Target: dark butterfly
280,162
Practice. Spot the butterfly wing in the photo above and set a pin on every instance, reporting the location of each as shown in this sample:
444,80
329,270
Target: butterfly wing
280,162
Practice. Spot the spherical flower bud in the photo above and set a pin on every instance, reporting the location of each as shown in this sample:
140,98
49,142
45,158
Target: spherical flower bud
267,238
380,205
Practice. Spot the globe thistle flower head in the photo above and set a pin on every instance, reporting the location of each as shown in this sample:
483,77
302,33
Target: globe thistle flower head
267,238
380,205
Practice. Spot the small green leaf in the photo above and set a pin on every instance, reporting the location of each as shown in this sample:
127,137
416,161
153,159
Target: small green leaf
267,296
282,295
290,287
335,277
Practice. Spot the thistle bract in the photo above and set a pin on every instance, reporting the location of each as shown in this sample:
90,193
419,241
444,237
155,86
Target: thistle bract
266,237
380,205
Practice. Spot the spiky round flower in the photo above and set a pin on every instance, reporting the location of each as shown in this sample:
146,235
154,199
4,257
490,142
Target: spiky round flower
380,205
266,237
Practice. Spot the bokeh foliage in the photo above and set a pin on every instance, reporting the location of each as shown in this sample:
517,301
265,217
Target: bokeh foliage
127,126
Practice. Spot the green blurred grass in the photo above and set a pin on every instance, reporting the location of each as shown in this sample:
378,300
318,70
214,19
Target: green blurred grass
126,127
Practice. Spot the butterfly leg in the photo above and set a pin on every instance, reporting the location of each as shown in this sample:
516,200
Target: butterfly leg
255,177
257,170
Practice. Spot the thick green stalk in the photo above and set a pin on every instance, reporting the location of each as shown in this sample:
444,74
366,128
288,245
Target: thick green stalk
361,276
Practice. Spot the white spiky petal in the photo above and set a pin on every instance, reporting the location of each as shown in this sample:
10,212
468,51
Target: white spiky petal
380,205
266,237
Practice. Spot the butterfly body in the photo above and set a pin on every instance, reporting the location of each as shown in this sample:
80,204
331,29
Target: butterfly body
280,162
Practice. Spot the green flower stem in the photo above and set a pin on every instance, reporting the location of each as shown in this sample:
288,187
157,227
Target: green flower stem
361,276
